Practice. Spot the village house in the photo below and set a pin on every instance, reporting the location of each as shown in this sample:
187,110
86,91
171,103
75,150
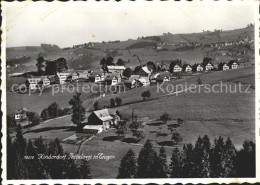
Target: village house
145,81
100,77
33,83
101,117
208,66
132,82
177,68
20,114
45,81
223,66
113,79
197,68
187,68
233,64
116,69
61,78
163,77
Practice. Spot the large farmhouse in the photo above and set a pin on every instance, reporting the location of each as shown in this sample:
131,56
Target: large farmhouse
101,117
116,69
33,83
60,78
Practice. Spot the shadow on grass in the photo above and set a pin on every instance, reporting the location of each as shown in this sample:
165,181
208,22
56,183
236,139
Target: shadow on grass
130,140
111,138
173,125
69,128
156,123
161,134
166,143
153,132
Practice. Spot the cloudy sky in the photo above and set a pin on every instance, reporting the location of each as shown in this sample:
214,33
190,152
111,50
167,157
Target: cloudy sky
67,24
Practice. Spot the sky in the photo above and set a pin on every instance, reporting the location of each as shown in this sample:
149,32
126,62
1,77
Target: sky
71,23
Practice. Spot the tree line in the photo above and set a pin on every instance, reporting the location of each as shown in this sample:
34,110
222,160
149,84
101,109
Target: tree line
23,160
202,160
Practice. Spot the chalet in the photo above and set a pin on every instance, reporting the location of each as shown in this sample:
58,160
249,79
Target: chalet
153,77
208,66
101,117
116,69
20,114
163,77
233,64
75,75
132,81
33,83
223,66
113,79
197,68
145,81
186,68
100,77
177,68
61,78
45,81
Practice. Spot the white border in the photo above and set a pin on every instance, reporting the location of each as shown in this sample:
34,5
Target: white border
140,181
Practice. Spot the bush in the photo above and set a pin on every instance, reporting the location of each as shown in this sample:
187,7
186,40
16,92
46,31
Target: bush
180,121
165,117
176,137
146,95
118,101
112,102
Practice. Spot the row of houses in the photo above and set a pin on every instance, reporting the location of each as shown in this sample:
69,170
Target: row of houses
233,64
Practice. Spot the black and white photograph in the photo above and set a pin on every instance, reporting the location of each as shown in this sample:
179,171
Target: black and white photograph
162,91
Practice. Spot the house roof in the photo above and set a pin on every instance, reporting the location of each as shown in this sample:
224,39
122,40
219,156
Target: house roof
145,69
144,79
221,64
92,127
45,78
162,75
103,114
177,65
116,67
186,65
110,77
232,62
134,76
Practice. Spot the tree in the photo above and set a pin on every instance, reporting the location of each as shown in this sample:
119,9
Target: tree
128,72
35,168
41,63
56,166
45,114
173,63
71,170
199,81
201,159
120,62
20,146
118,101
230,154
217,158
10,157
54,110
146,162
180,121
163,162
146,95
188,168
96,105
165,117
176,137
245,161
78,111
176,164
40,146
206,60
85,171
112,102
33,117
121,128
128,166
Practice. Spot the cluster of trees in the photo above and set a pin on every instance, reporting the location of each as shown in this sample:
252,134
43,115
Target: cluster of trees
203,160
83,62
23,161
22,60
146,95
50,48
47,67
115,102
128,72
54,111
